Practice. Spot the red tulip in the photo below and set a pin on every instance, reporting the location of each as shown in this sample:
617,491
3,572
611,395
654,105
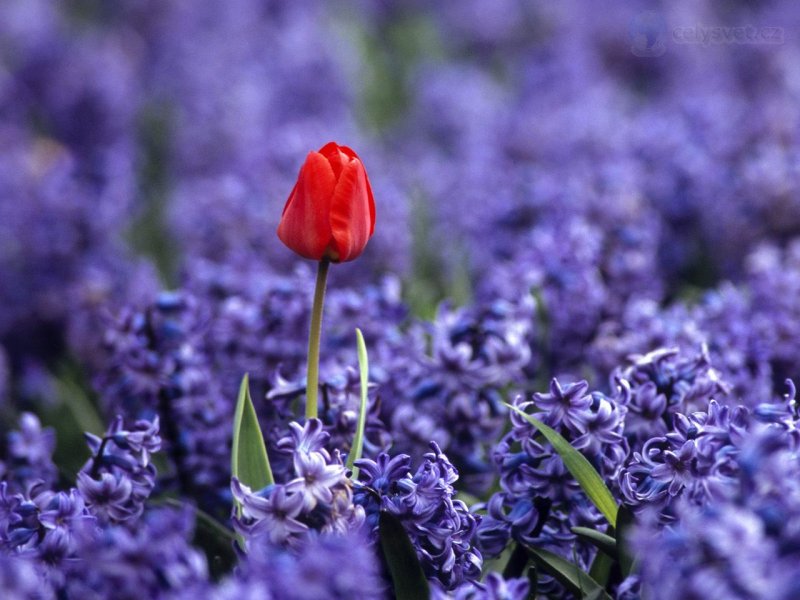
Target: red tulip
330,213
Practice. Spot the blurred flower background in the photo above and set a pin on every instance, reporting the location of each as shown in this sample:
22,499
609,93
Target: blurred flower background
559,187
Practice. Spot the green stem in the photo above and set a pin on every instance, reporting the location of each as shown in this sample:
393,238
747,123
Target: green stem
312,385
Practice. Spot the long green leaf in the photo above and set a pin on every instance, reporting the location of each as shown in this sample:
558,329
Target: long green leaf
77,401
580,468
625,521
358,439
601,541
408,578
249,461
601,568
598,594
568,574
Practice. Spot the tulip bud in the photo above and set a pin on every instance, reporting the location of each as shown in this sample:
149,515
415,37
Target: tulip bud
330,213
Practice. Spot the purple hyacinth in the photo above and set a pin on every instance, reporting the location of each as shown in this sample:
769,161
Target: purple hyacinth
317,497
743,545
5,376
96,539
272,512
20,579
335,566
156,365
451,393
564,405
28,454
539,500
152,558
696,460
440,527
42,525
494,587
119,477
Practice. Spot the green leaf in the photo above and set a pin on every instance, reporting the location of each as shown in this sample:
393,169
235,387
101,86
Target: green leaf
625,520
601,568
581,469
249,461
79,404
358,439
568,574
597,594
604,543
408,578
70,416
517,562
533,579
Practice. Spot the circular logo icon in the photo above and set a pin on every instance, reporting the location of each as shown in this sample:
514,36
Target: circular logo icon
648,34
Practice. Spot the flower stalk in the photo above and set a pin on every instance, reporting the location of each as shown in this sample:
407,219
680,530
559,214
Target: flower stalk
312,380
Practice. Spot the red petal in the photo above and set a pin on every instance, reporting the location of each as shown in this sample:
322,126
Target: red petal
352,214
335,155
305,225
351,153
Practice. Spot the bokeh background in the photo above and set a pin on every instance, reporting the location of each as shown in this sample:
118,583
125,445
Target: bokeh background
619,163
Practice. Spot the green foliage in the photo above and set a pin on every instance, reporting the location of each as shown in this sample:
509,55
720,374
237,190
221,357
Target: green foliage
568,574
625,521
149,233
601,569
408,578
429,284
358,440
391,57
604,543
249,461
73,414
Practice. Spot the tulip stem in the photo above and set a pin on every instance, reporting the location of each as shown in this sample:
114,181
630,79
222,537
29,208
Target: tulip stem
312,385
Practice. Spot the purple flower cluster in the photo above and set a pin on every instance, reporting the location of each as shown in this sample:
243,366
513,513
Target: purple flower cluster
37,522
28,455
335,566
119,477
95,539
566,190
675,446
539,500
743,545
494,587
153,558
581,273
444,381
440,527
748,329
42,524
68,104
317,498
156,367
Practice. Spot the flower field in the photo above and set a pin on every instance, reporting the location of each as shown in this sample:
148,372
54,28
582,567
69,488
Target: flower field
383,299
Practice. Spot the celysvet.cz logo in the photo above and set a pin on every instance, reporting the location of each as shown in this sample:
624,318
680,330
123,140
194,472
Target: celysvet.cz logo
650,36
707,35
